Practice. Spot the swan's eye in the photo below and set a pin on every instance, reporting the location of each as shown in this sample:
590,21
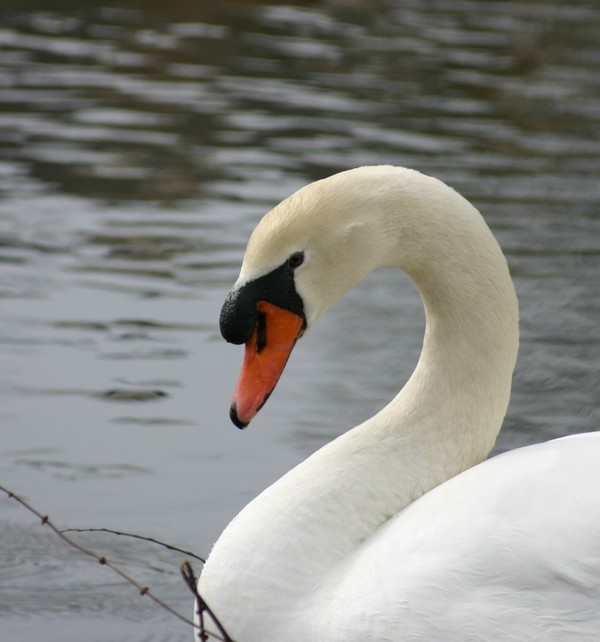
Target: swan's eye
295,260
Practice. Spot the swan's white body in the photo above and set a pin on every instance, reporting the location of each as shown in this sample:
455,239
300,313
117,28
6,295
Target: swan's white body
395,531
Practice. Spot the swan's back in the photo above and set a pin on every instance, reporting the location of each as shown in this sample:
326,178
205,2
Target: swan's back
507,550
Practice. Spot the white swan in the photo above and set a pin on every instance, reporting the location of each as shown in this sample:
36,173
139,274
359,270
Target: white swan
395,531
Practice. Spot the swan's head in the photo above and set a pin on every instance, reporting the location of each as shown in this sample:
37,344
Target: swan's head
302,257
307,252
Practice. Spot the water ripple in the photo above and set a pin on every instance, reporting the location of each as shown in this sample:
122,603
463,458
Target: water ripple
140,145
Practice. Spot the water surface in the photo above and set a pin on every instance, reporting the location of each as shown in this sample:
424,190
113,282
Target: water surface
140,144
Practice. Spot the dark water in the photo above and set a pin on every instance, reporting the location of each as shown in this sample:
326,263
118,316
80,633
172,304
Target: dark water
139,144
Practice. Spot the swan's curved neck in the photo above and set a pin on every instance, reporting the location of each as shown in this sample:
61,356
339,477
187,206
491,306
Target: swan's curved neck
443,421
447,416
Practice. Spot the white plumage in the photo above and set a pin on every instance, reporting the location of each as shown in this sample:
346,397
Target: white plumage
395,531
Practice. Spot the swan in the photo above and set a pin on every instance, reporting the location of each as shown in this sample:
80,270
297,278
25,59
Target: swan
398,530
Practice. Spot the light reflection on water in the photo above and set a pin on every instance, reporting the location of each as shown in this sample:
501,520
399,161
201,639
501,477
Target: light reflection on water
140,145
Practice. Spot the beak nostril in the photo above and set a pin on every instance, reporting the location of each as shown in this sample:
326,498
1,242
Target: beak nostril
261,331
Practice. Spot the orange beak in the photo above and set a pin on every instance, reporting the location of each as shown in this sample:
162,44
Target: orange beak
267,352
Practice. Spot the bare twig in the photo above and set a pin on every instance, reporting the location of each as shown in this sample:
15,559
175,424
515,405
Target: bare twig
144,590
145,538
187,573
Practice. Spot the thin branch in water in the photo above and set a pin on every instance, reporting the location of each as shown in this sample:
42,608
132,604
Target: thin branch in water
101,559
145,538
